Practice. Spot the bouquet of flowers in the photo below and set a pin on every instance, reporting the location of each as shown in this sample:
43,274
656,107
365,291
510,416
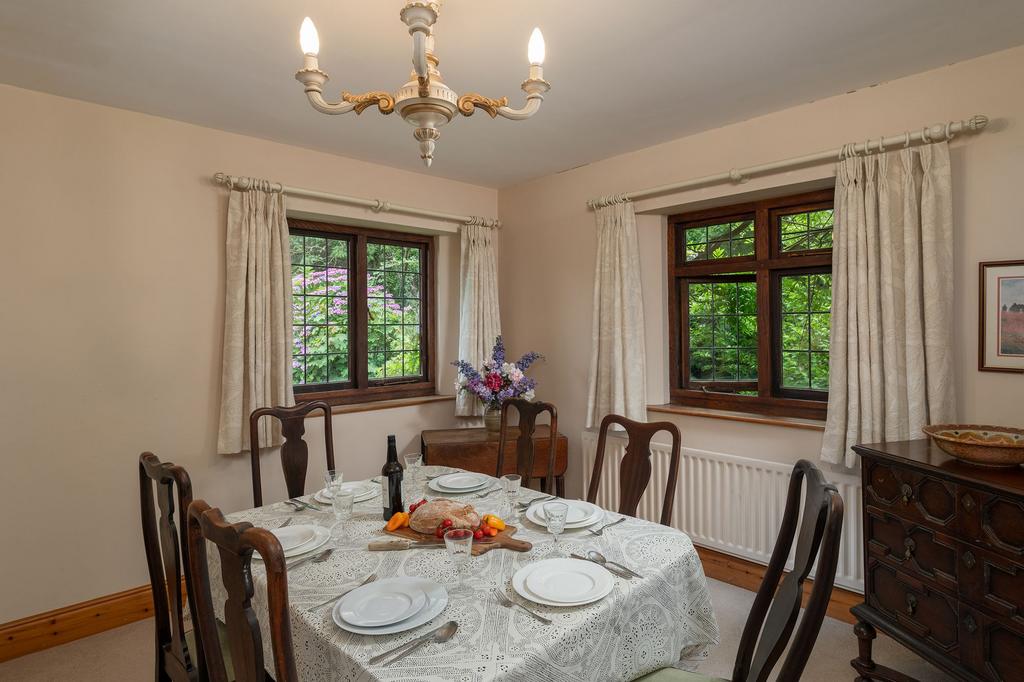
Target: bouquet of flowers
497,380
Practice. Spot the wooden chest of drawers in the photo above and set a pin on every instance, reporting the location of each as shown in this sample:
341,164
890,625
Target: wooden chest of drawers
944,562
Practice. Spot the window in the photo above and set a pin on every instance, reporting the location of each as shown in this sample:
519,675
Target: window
362,313
750,296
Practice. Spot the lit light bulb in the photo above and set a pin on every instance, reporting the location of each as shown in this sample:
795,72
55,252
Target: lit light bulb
535,50
310,41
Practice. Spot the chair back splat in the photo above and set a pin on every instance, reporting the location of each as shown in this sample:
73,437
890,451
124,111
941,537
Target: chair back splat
294,451
774,614
635,468
525,446
167,560
235,544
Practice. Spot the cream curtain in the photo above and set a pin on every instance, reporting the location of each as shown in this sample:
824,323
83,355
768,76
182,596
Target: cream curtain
891,369
257,315
479,317
617,366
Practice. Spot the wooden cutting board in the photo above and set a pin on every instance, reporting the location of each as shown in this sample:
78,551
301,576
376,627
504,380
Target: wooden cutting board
503,539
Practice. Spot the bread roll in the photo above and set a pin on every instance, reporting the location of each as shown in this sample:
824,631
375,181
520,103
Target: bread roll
428,517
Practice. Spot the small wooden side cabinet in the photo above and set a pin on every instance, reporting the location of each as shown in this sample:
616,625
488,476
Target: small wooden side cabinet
477,450
943,562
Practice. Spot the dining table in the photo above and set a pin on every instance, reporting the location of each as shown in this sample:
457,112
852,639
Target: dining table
664,618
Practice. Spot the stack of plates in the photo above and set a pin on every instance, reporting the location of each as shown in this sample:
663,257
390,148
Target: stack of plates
296,540
361,491
563,582
580,515
460,482
392,605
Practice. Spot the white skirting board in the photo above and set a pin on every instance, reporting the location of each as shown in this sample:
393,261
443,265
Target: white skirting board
728,503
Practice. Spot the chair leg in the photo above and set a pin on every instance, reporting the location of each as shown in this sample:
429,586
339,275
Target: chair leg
867,669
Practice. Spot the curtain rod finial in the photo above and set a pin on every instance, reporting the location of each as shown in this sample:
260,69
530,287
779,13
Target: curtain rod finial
977,122
220,178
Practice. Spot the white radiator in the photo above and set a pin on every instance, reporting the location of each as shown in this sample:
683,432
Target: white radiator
727,503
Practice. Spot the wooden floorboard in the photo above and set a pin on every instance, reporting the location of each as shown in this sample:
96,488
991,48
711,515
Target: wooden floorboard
748,575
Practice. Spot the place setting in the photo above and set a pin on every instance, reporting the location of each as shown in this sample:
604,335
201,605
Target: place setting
462,483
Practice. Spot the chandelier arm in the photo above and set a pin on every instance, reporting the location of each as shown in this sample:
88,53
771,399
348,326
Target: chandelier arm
531,108
472,101
316,98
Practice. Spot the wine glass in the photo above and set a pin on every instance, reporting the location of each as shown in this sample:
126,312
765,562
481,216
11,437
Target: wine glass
459,542
554,517
510,485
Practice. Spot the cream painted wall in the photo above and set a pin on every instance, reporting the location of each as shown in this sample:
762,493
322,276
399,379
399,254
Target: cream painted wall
111,296
549,246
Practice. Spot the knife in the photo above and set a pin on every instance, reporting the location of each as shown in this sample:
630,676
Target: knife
392,545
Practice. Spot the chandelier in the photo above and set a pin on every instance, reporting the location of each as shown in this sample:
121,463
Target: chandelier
425,102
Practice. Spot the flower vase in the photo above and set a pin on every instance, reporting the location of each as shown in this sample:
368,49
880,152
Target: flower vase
492,420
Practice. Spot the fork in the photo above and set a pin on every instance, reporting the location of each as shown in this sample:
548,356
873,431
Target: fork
600,531
317,558
528,503
489,491
369,579
508,604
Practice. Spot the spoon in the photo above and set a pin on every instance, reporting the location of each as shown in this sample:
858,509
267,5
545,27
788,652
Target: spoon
598,558
440,636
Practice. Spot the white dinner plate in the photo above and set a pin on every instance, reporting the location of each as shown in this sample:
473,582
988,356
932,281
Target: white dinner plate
361,492
599,585
437,487
437,600
291,537
320,537
462,480
383,603
590,513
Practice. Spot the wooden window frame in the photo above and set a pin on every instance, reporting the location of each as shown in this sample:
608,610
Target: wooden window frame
360,388
769,263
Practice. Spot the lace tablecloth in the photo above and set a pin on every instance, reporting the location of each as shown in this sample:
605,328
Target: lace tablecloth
664,619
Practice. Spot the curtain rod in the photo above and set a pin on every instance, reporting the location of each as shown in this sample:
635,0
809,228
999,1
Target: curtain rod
927,134
375,205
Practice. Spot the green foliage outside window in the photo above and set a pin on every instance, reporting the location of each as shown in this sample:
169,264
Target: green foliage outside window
806,231
806,321
723,331
320,310
725,240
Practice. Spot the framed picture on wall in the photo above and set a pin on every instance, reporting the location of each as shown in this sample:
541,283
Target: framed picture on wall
1001,316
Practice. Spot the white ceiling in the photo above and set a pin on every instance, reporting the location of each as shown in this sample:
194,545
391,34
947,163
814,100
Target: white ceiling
626,74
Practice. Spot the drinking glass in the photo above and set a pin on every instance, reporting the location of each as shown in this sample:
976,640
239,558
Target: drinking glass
333,480
342,505
554,516
510,485
459,542
413,466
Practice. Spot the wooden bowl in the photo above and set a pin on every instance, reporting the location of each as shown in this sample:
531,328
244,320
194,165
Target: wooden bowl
991,446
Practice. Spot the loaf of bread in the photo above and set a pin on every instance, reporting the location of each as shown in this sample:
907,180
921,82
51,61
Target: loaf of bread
428,517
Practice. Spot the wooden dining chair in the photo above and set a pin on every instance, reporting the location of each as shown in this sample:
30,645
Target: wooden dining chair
235,544
177,658
635,468
772,618
294,452
525,446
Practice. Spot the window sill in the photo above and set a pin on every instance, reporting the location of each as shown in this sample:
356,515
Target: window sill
709,413
386,404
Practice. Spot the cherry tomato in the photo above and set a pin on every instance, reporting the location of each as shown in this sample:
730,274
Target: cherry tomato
478,534
492,531
446,523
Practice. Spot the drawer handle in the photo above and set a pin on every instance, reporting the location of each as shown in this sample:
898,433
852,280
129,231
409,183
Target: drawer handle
908,548
911,604
906,493
970,624
968,502
969,560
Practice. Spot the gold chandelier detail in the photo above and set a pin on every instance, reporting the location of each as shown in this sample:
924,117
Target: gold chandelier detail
424,102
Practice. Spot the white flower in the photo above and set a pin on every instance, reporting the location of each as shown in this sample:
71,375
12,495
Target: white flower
528,395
